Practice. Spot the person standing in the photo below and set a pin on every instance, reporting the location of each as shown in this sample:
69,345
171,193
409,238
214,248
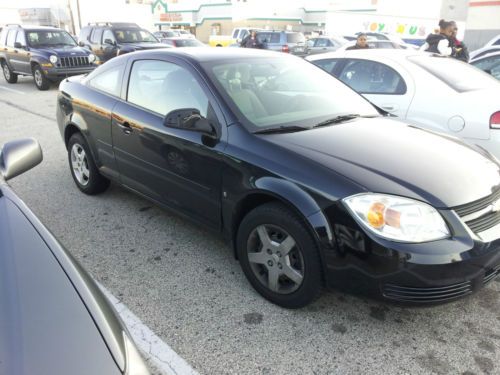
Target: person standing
361,43
461,51
251,41
440,43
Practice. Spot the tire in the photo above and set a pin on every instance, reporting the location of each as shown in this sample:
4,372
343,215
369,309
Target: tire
41,81
8,74
291,253
82,166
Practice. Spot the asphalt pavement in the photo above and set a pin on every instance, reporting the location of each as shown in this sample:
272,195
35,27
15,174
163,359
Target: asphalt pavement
185,285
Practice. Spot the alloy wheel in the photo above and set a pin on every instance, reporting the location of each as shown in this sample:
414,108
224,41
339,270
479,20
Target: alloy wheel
80,165
38,78
275,259
6,71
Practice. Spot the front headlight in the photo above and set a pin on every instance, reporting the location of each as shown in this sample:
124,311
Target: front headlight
396,218
91,58
53,59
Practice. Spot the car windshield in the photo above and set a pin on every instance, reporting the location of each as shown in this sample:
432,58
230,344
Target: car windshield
188,43
284,92
459,76
134,36
43,38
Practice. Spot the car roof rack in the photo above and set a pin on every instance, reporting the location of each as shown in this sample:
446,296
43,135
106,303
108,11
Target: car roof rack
117,24
13,24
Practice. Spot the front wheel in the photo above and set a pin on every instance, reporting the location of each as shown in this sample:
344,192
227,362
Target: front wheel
41,81
83,169
279,256
8,74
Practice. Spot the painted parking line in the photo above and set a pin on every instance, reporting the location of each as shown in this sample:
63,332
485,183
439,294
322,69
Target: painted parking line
12,90
162,356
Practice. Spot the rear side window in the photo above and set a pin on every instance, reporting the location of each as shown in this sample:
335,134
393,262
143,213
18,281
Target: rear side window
108,81
370,77
85,33
295,38
459,76
3,36
96,36
11,38
327,64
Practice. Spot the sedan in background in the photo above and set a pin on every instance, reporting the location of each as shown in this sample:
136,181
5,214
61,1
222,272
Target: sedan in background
324,44
427,90
182,42
303,176
489,63
53,317
167,34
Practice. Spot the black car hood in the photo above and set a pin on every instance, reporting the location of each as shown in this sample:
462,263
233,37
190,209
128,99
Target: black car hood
64,51
388,156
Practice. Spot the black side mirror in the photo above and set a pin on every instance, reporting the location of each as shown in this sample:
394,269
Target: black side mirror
81,44
109,41
189,119
18,45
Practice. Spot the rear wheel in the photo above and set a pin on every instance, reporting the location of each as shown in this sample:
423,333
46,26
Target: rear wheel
83,169
41,81
8,74
279,256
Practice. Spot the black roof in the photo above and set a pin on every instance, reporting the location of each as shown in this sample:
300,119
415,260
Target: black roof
204,54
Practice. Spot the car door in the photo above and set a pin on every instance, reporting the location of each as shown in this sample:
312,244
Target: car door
108,45
177,167
21,54
379,83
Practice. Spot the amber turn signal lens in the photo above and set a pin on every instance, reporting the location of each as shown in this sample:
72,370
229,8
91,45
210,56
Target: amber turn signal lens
375,215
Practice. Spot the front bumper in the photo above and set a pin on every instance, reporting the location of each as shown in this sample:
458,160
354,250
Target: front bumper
426,273
53,73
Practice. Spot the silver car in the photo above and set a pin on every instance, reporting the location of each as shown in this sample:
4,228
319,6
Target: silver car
53,317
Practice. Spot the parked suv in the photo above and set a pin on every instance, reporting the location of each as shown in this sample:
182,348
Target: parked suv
47,53
283,41
110,39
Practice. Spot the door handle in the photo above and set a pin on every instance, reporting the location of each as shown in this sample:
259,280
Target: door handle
126,127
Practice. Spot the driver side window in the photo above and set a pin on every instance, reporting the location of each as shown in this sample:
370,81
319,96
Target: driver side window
161,87
108,34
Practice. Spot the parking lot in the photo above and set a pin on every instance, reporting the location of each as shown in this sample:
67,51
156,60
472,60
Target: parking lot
185,285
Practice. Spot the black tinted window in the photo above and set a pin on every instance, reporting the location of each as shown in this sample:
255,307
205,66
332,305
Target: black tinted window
370,77
295,38
11,38
108,80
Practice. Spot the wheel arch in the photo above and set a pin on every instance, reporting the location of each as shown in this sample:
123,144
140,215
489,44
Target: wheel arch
272,189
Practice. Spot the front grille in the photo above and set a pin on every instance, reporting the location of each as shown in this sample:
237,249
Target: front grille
73,62
491,274
485,221
430,294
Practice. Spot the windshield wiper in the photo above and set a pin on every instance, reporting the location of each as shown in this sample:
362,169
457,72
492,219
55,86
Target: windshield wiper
337,120
282,129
